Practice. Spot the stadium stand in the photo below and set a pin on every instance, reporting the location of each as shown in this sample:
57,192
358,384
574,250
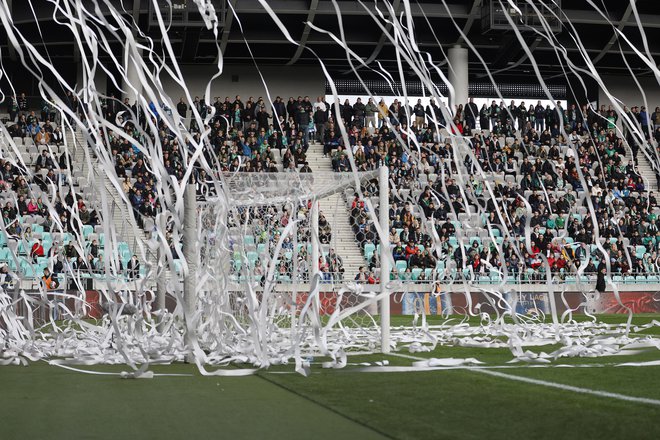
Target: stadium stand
520,150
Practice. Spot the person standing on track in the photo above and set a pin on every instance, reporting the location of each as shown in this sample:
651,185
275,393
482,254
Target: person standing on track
601,285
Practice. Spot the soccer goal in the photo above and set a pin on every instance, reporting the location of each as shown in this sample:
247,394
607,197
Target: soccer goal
270,282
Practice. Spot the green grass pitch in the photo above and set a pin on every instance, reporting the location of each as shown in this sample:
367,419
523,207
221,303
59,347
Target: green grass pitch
48,402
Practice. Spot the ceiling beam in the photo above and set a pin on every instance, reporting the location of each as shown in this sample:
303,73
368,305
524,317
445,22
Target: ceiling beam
346,7
470,21
305,34
593,17
225,31
521,60
655,53
396,4
352,8
615,35
190,44
136,15
10,46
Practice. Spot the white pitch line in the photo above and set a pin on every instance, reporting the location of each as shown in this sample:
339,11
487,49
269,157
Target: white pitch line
407,356
546,383
569,387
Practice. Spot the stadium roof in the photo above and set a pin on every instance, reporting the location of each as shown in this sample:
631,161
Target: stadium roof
435,21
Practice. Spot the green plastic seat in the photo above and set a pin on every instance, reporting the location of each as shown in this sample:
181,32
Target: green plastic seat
27,269
252,258
369,250
11,263
87,230
5,254
238,263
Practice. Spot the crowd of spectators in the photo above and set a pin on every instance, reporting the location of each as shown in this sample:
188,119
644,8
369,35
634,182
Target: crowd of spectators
241,139
566,173
539,165
44,212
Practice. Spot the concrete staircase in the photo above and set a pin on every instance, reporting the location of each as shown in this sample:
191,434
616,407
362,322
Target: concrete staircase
646,170
337,212
87,166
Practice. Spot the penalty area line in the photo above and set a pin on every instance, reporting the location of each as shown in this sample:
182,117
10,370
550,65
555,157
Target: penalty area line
548,384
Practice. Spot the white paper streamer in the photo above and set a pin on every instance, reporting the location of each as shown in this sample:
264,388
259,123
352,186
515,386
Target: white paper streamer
255,325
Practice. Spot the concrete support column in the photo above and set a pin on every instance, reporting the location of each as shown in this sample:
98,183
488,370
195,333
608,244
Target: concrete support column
131,85
458,75
101,81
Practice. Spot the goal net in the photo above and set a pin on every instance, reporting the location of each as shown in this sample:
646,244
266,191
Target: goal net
274,284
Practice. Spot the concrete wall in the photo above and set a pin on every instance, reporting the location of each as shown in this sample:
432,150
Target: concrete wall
625,89
284,81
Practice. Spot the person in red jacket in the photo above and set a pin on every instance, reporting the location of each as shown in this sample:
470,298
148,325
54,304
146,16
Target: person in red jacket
535,248
37,250
411,249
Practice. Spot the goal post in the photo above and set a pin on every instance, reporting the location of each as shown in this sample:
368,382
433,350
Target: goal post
191,255
385,256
